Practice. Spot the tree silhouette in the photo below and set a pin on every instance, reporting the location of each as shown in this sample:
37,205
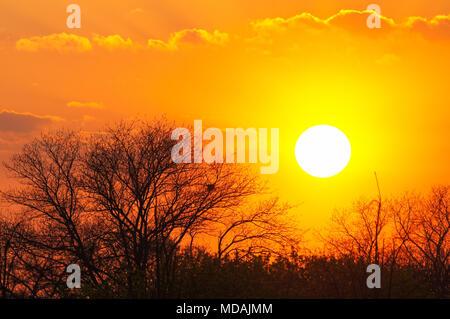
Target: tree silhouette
412,232
116,204
141,226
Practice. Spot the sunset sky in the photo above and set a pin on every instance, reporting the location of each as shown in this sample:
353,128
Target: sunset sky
249,63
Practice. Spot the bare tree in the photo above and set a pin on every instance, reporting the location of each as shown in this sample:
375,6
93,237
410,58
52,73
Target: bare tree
409,231
358,232
149,203
423,225
7,260
115,203
255,231
54,230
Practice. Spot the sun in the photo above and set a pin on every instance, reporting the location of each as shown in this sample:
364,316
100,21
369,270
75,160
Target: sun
322,151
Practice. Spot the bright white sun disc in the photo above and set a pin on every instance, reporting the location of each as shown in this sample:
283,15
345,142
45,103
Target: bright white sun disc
323,151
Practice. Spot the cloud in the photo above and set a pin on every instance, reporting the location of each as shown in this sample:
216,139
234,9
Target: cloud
265,31
158,44
11,121
199,36
349,19
353,21
280,36
63,42
91,105
435,28
115,42
304,28
190,37
60,42
282,24
272,31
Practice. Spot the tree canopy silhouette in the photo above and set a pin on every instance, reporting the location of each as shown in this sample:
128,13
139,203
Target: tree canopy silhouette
116,204
141,226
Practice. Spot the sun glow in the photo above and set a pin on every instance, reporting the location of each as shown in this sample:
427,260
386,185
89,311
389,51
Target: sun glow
323,151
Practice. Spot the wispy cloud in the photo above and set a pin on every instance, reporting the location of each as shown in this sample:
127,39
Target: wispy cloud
63,42
352,21
12,121
60,42
116,42
192,37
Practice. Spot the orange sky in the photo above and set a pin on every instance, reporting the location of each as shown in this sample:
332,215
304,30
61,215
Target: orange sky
244,64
